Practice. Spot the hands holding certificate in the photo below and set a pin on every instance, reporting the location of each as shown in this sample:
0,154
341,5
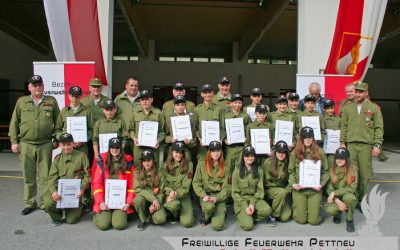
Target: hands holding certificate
57,197
104,207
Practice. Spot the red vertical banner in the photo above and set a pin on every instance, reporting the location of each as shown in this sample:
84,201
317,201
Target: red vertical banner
334,88
78,74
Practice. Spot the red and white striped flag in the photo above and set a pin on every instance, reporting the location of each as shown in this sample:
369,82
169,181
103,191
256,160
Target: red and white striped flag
357,30
74,32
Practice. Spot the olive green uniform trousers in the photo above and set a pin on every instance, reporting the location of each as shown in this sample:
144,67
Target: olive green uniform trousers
182,207
72,215
245,221
142,208
307,206
115,218
349,199
279,199
216,212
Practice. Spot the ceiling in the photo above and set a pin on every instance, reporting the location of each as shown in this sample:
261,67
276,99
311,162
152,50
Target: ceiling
262,29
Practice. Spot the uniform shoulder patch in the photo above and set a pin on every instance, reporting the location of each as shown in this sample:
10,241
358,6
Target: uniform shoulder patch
230,180
190,175
353,178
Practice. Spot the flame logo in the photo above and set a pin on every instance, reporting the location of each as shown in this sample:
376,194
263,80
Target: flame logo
373,210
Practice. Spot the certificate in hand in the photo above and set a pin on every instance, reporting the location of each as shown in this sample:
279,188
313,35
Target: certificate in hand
331,141
310,173
148,133
115,193
104,140
251,111
181,128
68,189
284,132
235,130
260,140
313,122
77,127
54,153
209,132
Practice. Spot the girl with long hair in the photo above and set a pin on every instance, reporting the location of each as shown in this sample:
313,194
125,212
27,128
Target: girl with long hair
276,183
307,199
149,190
113,164
342,189
248,191
177,172
212,184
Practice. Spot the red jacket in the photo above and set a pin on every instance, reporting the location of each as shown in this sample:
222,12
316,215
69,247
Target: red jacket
98,187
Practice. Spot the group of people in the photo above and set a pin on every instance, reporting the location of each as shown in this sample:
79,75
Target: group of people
261,186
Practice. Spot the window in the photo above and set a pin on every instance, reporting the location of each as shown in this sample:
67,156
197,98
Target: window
120,58
217,60
166,59
200,59
183,59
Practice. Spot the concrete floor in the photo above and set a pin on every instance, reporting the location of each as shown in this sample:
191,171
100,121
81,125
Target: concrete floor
35,232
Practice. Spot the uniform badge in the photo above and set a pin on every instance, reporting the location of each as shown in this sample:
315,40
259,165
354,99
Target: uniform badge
353,178
155,190
190,175
48,114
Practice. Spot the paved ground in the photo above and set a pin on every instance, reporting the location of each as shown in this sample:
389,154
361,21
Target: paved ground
35,232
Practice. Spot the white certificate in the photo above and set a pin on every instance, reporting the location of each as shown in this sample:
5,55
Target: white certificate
251,111
331,141
68,189
284,132
54,153
235,130
148,133
313,122
209,132
77,127
260,140
115,193
310,173
181,128
104,140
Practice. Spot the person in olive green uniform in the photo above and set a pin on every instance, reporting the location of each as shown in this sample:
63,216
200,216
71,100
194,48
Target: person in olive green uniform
293,104
212,184
148,186
331,122
256,98
276,183
177,173
233,151
281,114
31,132
109,124
309,102
127,102
146,113
73,110
179,109
168,107
306,200
223,97
342,189
95,100
207,111
248,191
361,129
261,122
69,164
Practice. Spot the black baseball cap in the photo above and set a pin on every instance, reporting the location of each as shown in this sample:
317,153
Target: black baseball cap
35,79
224,80
179,99
114,143
179,85
261,108
306,132
75,91
328,103
236,97
66,137
215,145
309,97
281,146
280,99
178,146
249,150
147,154
294,96
109,104
256,91
206,87
145,93
342,153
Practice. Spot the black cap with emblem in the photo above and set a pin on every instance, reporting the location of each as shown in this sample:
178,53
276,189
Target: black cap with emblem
342,153
249,150
145,93
206,87
261,108
114,143
236,97
35,79
75,91
328,103
306,132
178,147
224,80
147,154
281,147
293,96
309,98
280,99
256,92
179,85
179,99
215,145
109,104
66,137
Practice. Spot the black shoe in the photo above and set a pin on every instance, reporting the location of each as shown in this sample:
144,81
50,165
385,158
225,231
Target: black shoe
56,223
358,206
140,225
203,221
271,221
350,226
337,218
27,210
